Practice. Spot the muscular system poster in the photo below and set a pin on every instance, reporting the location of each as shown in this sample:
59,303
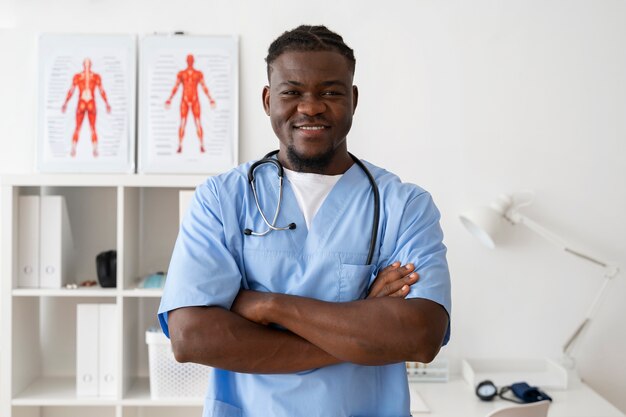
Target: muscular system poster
86,103
188,104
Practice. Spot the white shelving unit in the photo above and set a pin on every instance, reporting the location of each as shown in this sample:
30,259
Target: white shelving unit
138,216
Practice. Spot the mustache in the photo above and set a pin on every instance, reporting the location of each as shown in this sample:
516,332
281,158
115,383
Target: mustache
310,120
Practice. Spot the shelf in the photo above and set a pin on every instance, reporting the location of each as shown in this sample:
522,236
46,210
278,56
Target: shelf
104,180
105,212
61,391
139,395
57,391
64,292
87,292
143,292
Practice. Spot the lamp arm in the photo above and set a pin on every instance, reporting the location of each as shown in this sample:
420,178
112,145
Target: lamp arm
610,271
517,218
569,344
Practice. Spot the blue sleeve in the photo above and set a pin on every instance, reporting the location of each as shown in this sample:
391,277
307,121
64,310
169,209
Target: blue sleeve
420,240
202,271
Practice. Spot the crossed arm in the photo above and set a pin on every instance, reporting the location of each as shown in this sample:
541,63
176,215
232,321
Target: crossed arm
384,328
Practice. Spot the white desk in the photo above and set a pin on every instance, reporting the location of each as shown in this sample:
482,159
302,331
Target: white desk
457,399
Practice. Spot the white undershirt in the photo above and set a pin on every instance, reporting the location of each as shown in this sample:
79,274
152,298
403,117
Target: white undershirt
311,190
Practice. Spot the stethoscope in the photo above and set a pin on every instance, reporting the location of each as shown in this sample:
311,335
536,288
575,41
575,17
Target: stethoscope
267,159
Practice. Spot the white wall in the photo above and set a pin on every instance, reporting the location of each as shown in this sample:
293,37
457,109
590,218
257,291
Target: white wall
468,99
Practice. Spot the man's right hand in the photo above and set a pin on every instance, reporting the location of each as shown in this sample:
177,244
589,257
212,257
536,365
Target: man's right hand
393,281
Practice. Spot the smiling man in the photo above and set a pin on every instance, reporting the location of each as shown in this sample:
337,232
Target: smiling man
310,101
315,318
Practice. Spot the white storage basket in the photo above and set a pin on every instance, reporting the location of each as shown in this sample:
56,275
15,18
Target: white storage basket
168,378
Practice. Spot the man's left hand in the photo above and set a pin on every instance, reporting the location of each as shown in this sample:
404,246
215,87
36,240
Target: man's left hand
393,281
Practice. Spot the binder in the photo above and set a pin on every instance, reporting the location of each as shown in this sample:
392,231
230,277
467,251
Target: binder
87,350
108,350
28,242
56,244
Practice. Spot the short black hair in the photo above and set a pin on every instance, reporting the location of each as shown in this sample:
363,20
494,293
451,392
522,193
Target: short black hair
309,38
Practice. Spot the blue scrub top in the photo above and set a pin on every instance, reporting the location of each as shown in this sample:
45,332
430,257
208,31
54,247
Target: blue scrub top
213,259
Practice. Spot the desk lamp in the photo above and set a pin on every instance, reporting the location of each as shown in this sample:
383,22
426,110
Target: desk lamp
486,222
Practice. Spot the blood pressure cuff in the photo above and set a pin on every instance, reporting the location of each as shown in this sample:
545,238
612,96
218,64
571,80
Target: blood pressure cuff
528,394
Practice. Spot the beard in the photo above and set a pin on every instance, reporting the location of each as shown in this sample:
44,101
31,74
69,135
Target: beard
316,164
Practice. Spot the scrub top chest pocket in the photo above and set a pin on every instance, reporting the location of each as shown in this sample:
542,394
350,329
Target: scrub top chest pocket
354,281
319,276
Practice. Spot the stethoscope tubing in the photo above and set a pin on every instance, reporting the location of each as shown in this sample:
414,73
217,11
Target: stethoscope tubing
376,218
272,226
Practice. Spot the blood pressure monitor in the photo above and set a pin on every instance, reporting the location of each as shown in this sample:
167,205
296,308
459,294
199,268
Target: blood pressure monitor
486,390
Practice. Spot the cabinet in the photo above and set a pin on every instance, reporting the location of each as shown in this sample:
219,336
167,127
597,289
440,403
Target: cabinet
137,215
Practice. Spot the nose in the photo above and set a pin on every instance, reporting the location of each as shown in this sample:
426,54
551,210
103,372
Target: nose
311,105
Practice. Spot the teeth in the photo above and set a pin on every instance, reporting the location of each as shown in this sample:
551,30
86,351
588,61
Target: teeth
311,127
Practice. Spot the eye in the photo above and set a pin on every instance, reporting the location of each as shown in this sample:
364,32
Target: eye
331,93
289,93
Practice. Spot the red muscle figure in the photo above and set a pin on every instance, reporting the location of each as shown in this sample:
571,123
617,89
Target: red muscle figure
190,78
86,81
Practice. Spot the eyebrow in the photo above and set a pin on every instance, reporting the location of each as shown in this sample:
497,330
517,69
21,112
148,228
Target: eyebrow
331,83
328,83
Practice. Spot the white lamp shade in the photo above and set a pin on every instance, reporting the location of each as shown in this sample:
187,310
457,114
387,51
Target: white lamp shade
484,223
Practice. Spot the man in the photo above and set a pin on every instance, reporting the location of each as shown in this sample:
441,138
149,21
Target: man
190,78
294,321
86,81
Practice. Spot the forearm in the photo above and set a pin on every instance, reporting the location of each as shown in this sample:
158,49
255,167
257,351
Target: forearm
369,332
220,338
69,95
103,94
174,90
206,90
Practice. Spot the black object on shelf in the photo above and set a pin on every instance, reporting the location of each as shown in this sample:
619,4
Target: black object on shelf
106,266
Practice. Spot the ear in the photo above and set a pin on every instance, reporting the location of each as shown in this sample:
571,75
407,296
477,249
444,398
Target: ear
266,99
355,98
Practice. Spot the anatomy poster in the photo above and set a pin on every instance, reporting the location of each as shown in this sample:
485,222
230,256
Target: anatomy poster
188,104
86,103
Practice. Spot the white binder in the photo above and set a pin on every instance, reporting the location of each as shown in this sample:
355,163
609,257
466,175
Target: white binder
87,350
28,242
56,244
108,350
